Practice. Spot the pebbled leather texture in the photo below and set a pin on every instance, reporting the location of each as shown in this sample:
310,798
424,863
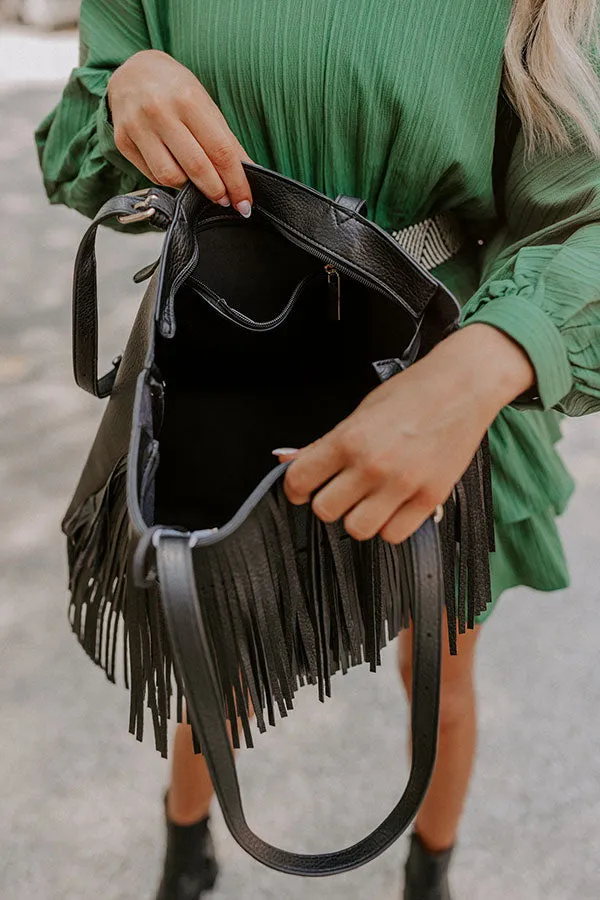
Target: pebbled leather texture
334,230
189,636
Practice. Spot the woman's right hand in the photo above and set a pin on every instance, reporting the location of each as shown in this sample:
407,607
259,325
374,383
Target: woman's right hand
168,126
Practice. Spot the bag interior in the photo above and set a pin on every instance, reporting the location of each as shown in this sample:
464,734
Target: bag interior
233,395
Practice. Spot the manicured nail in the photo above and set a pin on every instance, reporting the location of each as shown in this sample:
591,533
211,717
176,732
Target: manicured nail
244,208
224,201
284,451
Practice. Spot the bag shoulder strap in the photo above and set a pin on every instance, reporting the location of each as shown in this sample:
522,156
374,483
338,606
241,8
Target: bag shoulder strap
128,208
192,655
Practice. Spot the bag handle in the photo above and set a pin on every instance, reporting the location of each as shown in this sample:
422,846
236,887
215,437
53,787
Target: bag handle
149,203
193,657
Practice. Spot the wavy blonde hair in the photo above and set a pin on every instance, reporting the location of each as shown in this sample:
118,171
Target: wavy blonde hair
551,70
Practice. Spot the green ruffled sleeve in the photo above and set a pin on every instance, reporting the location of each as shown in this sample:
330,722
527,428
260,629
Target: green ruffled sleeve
541,276
80,164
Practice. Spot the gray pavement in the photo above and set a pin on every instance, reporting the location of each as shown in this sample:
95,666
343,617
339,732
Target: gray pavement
81,799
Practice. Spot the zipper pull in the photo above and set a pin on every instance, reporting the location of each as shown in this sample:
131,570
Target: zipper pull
334,289
146,271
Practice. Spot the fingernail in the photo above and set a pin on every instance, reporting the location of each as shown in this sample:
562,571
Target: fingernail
244,208
224,201
284,451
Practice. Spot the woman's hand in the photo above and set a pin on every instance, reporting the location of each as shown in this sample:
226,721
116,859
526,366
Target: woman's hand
388,465
168,126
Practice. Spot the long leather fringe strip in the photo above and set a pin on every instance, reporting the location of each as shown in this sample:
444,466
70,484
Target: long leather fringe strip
290,600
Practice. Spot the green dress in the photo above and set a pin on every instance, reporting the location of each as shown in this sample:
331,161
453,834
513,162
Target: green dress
394,101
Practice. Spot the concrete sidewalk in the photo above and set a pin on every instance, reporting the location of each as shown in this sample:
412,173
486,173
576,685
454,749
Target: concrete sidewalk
81,800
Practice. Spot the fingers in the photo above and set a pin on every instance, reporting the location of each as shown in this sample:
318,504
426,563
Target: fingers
407,519
371,515
158,160
339,495
128,149
285,454
312,467
223,150
195,162
167,124
389,511
170,153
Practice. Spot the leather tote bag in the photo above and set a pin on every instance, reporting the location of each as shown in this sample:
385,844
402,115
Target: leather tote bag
189,571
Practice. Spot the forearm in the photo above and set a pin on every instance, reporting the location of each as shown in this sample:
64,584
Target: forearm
484,363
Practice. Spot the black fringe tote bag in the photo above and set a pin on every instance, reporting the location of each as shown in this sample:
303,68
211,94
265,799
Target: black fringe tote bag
189,570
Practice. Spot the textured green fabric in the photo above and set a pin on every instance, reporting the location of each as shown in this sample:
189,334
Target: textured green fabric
394,101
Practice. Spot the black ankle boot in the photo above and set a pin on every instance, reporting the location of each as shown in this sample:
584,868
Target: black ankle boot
426,872
190,867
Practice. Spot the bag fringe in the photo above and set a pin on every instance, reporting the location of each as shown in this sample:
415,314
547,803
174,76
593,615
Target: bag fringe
279,616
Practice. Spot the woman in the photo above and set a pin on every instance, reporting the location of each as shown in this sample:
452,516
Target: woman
394,101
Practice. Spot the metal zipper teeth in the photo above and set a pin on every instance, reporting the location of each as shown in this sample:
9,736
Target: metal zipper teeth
341,267
222,306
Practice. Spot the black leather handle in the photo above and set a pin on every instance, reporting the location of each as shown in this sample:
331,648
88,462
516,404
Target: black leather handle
85,290
192,654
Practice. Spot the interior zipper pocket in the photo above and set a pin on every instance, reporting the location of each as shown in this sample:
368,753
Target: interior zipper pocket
221,305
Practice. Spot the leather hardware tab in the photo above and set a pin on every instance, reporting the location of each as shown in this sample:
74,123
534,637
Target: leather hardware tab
145,211
387,368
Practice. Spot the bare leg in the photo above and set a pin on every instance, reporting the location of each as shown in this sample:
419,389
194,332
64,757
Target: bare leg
191,791
439,817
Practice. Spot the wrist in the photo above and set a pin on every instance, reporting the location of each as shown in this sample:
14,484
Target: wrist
485,363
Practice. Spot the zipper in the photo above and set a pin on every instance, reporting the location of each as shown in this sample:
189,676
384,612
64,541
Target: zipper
334,291
222,306
340,268
348,270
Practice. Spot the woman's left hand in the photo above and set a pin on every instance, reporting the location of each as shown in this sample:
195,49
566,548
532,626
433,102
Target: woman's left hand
387,466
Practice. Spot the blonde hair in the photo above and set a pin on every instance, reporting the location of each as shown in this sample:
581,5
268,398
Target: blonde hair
549,75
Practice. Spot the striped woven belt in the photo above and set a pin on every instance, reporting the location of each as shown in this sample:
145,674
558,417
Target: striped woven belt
433,241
